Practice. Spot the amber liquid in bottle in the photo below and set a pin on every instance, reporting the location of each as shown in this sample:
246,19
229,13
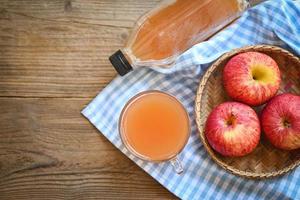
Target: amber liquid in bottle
167,31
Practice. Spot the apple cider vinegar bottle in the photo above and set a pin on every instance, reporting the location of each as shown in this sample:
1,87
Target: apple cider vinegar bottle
161,35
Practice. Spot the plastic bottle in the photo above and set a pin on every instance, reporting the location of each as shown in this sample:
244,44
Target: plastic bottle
162,34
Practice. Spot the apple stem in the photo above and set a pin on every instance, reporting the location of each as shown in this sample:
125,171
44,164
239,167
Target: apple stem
286,123
230,120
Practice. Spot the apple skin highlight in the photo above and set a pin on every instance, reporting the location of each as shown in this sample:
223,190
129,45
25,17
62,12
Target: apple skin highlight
233,129
252,78
280,121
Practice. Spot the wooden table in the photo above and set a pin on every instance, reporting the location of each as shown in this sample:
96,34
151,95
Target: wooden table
53,61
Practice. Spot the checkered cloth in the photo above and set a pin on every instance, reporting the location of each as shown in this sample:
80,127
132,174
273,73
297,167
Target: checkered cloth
273,22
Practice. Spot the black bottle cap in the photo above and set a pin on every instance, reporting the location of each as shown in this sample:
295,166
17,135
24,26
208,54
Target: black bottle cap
120,63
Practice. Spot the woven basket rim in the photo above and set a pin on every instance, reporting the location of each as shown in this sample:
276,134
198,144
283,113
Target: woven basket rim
200,126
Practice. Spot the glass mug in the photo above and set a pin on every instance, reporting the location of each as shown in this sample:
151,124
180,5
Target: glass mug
154,126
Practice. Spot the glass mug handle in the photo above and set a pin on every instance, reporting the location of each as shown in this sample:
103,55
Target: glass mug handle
177,166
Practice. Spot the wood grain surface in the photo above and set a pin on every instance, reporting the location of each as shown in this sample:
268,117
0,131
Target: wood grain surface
53,61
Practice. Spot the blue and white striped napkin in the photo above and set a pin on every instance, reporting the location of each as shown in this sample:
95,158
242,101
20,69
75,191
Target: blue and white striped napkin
274,22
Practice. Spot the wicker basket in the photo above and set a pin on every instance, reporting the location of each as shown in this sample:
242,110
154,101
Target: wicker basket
265,161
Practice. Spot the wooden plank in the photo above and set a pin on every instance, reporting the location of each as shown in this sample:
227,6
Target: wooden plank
61,48
49,151
53,59
104,12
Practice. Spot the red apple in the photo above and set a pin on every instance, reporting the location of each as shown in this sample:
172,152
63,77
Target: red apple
252,78
280,121
233,129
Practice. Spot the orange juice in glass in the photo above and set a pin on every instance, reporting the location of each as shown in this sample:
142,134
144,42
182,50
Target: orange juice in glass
154,126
